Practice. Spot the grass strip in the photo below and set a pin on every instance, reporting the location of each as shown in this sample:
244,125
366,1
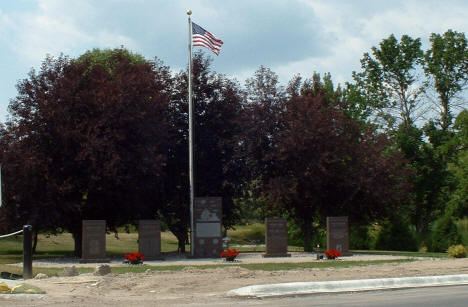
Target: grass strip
317,265
397,253
257,266
249,266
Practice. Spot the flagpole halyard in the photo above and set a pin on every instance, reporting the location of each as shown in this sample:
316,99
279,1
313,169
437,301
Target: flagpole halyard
192,192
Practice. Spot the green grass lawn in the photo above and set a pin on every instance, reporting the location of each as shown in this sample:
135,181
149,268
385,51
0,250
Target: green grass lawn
399,253
61,245
253,234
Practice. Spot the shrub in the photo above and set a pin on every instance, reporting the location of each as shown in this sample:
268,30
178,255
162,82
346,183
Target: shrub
296,237
396,235
444,234
456,251
359,237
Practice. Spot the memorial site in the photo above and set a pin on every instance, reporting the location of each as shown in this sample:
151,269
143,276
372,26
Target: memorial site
233,153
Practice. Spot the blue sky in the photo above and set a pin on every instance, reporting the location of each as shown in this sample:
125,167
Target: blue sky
291,37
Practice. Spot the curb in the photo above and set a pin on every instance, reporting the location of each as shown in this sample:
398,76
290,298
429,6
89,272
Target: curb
294,288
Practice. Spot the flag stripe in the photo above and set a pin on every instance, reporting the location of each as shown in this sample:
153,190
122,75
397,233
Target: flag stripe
203,38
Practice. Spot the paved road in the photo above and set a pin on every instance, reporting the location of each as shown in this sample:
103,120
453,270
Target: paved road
453,296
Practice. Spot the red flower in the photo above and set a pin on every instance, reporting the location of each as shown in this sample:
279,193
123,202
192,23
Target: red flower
230,254
332,253
134,257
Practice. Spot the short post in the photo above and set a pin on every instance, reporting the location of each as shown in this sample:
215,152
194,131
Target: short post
27,251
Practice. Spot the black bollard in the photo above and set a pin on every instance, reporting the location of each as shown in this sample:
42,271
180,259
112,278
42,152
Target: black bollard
27,251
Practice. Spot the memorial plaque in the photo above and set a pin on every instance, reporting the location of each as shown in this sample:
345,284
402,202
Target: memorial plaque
276,238
94,241
207,230
149,239
338,234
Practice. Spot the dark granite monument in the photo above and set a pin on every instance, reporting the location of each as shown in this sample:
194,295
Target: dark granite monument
207,230
149,239
338,234
94,241
276,238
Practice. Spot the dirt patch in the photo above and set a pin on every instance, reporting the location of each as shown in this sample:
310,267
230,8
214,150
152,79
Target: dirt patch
194,285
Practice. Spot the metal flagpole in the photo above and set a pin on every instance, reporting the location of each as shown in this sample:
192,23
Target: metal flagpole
192,224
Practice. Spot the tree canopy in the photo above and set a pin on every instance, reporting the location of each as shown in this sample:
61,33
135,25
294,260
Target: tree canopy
105,136
91,137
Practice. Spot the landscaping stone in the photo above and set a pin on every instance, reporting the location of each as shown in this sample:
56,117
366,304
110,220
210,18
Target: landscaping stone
4,289
70,271
102,270
26,288
41,276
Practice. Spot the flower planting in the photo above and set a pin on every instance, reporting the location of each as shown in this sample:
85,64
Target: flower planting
332,253
134,258
230,254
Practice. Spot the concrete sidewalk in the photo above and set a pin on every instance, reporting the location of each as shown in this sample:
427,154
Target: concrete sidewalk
295,288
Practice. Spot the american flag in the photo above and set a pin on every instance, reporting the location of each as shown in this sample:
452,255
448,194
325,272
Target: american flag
203,38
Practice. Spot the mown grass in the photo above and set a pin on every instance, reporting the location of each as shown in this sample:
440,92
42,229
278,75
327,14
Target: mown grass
317,265
62,245
248,266
253,234
398,253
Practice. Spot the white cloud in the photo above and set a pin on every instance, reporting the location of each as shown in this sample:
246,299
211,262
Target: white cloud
60,27
355,31
290,37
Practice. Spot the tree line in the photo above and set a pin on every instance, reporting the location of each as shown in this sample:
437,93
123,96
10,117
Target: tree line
105,136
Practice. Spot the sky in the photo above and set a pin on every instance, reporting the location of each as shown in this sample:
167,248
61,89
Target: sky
288,36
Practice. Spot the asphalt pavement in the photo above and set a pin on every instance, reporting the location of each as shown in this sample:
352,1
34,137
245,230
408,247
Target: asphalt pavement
453,296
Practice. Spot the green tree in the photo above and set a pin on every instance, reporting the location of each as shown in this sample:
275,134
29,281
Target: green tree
389,81
396,235
446,65
97,136
322,164
429,178
444,234
218,121
458,203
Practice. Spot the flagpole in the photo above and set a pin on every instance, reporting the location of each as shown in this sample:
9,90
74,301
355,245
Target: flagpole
192,193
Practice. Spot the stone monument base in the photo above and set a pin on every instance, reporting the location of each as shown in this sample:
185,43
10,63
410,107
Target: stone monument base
275,255
153,258
104,260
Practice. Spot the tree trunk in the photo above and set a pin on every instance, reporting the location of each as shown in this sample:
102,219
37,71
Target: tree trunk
77,237
181,245
445,115
307,232
181,241
35,241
